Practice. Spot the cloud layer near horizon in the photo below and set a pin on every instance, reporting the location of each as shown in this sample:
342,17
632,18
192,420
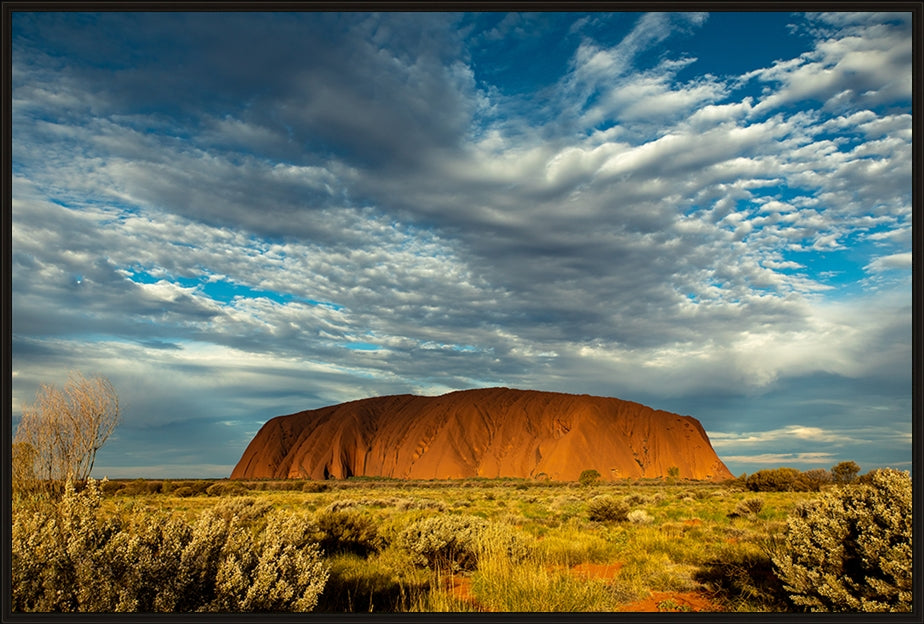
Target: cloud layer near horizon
234,216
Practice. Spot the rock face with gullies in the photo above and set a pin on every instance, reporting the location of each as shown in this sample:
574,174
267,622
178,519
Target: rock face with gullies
494,432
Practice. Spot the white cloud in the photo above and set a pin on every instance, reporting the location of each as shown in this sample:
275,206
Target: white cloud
886,263
800,433
782,459
867,63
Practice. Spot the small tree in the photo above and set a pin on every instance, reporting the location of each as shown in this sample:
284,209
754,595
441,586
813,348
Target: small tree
673,473
60,433
845,472
812,480
589,477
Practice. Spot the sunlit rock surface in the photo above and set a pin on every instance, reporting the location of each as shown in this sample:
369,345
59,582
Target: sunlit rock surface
494,432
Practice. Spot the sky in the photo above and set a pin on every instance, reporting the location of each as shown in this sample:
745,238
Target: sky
234,216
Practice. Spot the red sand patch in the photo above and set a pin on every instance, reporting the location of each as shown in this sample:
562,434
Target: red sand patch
604,571
673,602
460,588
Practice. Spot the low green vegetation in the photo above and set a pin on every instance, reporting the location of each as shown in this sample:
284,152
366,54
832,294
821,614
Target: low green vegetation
387,545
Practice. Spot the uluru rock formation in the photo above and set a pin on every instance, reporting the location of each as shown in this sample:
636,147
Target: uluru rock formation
494,432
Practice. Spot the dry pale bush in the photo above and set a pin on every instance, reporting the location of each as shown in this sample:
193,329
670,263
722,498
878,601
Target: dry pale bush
639,516
68,556
60,433
850,550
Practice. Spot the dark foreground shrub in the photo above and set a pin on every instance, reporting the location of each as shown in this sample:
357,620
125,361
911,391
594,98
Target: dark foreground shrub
744,577
349,530
850,550
68,556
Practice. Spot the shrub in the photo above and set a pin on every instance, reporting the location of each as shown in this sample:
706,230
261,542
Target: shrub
458,542
245,508
443,542
348,530
68,556
639,516
406,504
197,486
589,477
637,499
109,488
226,488
747,507
138,487
812,480
851,549
284,572
773,480
738,483
606,508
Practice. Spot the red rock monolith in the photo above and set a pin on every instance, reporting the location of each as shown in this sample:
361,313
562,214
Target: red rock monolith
493,432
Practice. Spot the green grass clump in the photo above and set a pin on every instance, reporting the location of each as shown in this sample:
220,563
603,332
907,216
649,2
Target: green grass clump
533,586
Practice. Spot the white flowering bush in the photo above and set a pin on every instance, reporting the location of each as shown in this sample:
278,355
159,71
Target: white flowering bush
850,550
68,556
284,572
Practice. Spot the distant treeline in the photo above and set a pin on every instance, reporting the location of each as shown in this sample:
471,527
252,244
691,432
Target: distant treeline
770,480
794,480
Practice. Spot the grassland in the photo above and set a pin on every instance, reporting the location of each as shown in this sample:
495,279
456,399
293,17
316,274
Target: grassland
650,546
